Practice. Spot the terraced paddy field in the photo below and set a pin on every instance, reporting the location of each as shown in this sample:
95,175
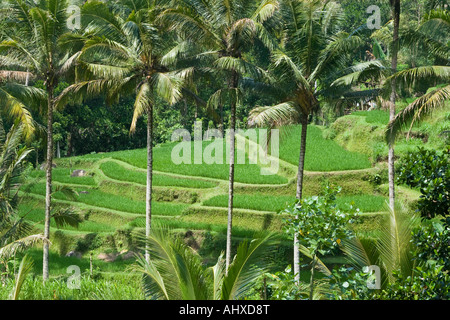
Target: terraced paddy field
192,199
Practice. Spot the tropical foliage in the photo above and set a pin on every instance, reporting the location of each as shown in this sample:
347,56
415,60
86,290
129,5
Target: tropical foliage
428,171
176,272
88,77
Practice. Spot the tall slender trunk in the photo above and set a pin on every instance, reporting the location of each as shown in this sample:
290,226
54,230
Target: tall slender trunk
233,85
311,280
301,167
222,128
148,193
58,150
27,78
395,47
48,182
69,144
185,113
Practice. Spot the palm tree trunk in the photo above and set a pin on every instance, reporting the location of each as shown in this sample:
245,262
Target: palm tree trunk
301,167
48,183
233,85
185,113
148,193
37,158
311,280
395,47
69,144
27,79
222,128
58,150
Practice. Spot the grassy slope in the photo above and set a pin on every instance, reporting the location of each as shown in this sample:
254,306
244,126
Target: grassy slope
194,197
363,132
264,202
162,161
321,154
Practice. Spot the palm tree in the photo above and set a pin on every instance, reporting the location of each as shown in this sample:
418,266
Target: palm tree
19,100
225,30
36,29
391,251
435,42
15,233
395,4
124,53
312,52
176,271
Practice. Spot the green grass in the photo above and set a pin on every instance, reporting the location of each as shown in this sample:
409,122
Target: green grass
60,263
263,202
321,154
37,215
374,116
162,161
116,171
363,132
260,202
105,200
117,288
180,223
62,175
365,202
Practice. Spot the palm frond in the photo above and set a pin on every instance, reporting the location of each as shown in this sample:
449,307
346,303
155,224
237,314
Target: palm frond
242,272
69,192
335,55
265,11
281,114
10,249
223,96
361,72
281,59
26,265
66,217
410,77
175,271
394,243
153,283
20,76
167,85
141,104
417,111
241,66
218,271
18,101
360,252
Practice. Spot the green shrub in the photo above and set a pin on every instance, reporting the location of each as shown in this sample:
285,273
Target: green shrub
62,241
429,171
90,241
431,277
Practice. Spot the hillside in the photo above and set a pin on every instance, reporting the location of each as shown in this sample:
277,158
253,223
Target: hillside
363,132
192,200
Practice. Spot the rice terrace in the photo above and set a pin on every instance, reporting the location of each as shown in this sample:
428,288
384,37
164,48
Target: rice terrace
224,150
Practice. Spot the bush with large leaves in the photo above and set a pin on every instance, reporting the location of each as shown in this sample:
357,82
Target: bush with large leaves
429,171
176,272
430,278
